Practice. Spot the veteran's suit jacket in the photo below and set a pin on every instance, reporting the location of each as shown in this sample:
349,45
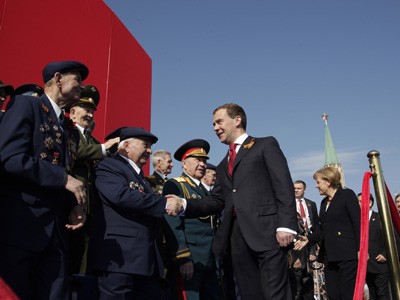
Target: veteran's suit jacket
34,158
340,227
124,236
260,190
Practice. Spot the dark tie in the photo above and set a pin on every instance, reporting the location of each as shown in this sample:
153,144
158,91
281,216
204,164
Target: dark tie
232,156
61,117
86,133
303,213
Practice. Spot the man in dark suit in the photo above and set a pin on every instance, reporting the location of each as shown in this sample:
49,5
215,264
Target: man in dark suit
259,220
190,239
90,151
377,268
37,150
299,273
123,248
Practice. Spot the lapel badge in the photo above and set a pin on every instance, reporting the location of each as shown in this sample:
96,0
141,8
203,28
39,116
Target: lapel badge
58,138
43,155
49,143
55,158
45,108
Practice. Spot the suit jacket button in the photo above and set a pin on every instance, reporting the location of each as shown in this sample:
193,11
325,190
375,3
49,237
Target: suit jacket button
339,233
234,191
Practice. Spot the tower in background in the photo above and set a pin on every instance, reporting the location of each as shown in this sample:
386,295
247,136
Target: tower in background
331,159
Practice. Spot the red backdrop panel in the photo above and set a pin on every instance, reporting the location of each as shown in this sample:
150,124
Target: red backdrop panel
33,33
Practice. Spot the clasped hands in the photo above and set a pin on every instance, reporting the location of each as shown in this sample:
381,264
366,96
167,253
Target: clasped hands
174,205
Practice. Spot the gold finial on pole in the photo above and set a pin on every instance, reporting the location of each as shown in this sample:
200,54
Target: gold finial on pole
325,118
386,222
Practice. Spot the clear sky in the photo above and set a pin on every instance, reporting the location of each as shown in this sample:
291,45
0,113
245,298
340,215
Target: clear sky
285,63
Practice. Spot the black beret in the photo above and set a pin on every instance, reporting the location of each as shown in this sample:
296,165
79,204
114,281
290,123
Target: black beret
132,132
196,148
211,166
7,88
29,89
64,67
90,97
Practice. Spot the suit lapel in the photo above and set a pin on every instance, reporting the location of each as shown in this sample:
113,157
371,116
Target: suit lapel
243,150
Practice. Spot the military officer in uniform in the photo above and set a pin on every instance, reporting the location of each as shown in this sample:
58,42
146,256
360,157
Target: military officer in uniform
90,151
190,239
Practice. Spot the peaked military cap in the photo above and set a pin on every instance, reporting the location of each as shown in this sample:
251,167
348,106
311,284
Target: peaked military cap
211,166
7,88
29,89
132,132
90,97
64,67
192,148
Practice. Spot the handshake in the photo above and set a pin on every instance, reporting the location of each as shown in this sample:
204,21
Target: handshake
174,205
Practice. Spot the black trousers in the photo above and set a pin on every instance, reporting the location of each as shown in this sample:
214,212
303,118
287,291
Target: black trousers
341,279
115,286
36,275
259,275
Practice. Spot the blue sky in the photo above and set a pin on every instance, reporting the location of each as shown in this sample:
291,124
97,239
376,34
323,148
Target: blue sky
286,63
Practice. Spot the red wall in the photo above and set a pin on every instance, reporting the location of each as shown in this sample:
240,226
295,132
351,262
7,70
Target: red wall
33,33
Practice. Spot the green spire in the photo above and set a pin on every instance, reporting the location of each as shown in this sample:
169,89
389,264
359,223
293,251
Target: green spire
330,152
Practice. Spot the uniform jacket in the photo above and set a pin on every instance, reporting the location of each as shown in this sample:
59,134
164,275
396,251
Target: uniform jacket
260,189
156,182
340,227
126,223
89,153
189,239
35,154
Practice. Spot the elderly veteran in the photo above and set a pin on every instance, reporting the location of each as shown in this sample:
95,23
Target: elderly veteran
37,149
123,250
90,151
190,239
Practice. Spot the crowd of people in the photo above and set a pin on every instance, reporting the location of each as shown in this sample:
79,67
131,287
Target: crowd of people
79,216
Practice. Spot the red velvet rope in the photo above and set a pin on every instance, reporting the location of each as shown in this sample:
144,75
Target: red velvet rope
6,292
393,211
363,252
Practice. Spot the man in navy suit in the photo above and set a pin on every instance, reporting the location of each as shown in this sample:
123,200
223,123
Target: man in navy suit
123,249
307,213
259,219
37,150
377,268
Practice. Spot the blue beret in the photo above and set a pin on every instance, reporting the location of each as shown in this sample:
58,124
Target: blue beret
29,89
132,132
64,67
211,166
7,88
192,148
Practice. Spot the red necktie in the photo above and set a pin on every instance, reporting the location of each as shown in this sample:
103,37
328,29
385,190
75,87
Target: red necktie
303,213
232,156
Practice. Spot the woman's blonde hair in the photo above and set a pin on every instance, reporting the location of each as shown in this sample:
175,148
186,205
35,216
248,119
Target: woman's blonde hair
329,174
